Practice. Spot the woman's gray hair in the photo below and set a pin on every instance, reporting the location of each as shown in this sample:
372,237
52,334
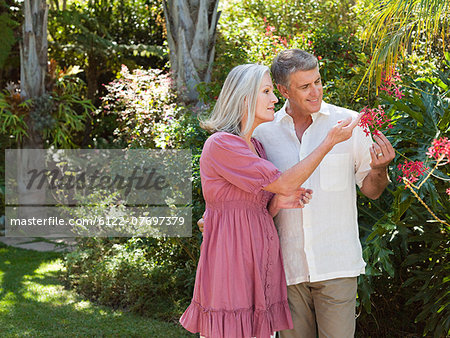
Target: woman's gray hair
290,61
237,97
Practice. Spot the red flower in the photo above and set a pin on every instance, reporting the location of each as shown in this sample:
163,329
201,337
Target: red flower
411,170
319,58
440,148
270,28
373,120
448,191
390,84
283,41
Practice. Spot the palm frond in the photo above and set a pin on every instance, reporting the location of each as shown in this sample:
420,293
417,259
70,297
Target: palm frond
397,27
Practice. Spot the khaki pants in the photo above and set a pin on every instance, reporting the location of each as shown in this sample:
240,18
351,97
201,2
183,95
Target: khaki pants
325,308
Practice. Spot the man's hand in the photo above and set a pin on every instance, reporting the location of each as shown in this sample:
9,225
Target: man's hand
297,200
292,201
201,224
381,152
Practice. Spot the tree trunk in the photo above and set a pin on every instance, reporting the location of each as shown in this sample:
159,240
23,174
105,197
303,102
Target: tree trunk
191,33
33,68
34,49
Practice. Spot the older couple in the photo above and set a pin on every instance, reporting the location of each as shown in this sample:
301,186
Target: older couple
259,164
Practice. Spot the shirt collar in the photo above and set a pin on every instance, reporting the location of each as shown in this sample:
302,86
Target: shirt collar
281,114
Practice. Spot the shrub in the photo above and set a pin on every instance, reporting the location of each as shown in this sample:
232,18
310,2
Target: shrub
406,236
144,275
144,106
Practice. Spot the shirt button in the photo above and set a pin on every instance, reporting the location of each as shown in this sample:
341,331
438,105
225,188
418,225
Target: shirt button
268,285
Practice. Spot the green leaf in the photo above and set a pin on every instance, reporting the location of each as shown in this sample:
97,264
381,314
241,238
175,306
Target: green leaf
415,115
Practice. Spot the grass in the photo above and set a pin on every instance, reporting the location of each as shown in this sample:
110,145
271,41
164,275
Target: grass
34,303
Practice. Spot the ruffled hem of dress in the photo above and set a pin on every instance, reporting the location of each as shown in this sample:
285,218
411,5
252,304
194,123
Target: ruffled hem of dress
242,323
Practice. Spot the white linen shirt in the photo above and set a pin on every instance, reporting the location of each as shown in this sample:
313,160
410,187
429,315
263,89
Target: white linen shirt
320,241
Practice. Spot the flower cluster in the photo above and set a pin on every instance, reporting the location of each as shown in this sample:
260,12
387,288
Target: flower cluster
278,42
374,120
390,84
411,170
440,149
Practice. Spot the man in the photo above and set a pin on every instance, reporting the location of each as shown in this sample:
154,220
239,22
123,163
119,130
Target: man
320,243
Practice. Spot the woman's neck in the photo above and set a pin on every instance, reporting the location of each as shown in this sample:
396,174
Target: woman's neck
248,136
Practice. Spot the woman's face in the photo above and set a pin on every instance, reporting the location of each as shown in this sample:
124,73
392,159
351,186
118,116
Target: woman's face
265,101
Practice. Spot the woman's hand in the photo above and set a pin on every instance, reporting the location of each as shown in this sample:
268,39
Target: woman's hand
343,130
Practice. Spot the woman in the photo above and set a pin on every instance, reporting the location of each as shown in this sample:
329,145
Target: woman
240,288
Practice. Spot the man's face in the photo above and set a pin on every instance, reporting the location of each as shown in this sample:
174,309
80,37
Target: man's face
305,91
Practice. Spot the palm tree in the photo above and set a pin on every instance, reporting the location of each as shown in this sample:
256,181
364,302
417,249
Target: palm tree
191,34
396,27
33,69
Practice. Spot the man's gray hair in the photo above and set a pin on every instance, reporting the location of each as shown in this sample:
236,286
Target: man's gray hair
290,61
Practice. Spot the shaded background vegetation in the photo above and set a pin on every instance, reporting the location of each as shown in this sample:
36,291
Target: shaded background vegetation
405,289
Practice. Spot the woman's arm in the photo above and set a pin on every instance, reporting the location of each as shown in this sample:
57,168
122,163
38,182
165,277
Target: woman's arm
291,180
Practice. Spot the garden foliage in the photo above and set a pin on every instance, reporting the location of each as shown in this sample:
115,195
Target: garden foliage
406,231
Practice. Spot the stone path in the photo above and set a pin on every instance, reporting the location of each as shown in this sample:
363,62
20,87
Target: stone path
57,244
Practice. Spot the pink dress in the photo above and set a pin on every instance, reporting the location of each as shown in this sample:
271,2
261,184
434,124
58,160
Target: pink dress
240,286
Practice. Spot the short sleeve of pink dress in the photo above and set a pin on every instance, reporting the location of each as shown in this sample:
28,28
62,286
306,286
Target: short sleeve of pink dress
240,286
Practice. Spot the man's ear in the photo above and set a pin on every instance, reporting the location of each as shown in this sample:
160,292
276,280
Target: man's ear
283,90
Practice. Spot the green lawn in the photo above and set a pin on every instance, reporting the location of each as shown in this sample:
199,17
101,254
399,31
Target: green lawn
34,303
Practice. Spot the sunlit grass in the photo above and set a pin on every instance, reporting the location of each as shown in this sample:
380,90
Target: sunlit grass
34,303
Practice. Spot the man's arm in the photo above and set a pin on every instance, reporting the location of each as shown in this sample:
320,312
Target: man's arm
382,153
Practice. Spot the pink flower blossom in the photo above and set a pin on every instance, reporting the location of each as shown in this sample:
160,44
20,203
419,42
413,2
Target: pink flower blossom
398,93
411,170
283,41
373,120
270,28
440,147
390,84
